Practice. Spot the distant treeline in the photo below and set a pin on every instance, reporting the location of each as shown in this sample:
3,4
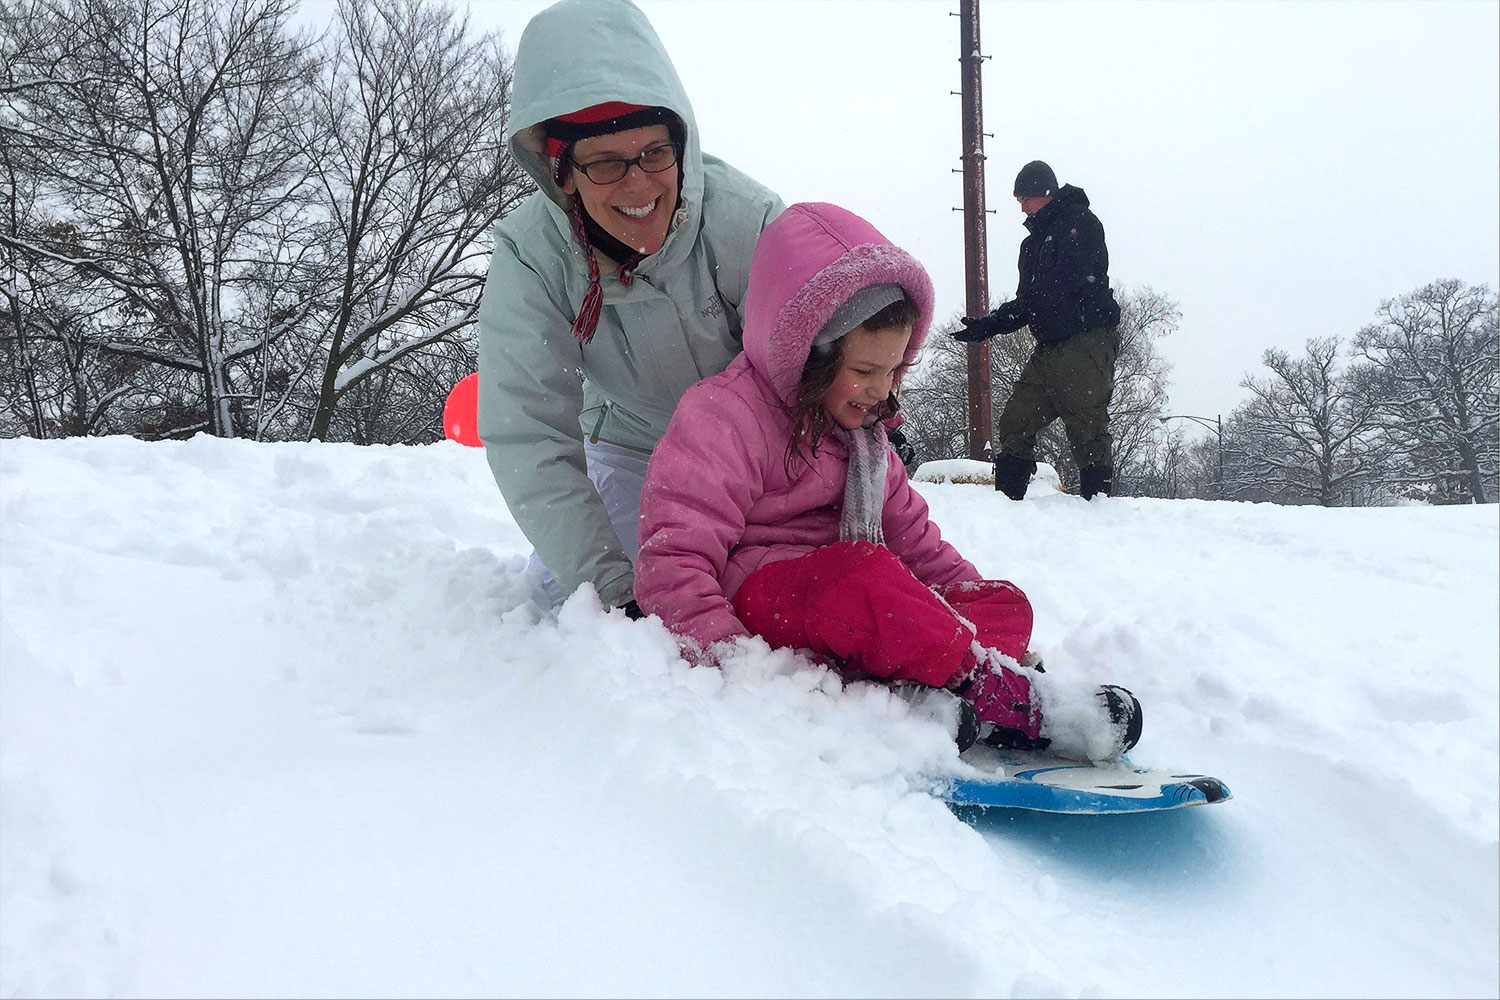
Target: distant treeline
1406,410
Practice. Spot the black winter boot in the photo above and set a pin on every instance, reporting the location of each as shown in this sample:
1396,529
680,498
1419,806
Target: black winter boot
1125,713
1095,479
1083,722
1013,475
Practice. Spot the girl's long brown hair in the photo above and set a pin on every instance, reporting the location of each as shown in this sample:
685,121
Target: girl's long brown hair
810,418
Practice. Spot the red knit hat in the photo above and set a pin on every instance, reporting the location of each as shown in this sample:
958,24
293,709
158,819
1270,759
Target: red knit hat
601,119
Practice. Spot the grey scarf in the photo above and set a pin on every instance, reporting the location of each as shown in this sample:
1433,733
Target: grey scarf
864,489
869,451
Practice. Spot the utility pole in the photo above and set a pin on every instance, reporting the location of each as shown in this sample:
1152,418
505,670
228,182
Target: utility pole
976,262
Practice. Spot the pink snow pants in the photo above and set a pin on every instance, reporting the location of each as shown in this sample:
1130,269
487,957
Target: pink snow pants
859,602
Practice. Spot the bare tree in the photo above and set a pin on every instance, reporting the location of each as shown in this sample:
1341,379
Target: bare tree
1164,467
162,132
408,153
1437,355
1141,379
934,397
213,223
20,399
1246,475
1307,432
55,379
25,404
1201,470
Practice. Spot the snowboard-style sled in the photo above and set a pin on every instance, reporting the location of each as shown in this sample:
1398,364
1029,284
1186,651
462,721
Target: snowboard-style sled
1019,779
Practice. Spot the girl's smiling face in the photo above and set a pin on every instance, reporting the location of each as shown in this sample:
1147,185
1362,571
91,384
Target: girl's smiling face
871,366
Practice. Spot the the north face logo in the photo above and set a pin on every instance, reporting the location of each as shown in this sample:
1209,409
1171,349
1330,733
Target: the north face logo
1072,234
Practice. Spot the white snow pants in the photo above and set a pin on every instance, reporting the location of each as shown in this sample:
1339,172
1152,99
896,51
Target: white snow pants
618,475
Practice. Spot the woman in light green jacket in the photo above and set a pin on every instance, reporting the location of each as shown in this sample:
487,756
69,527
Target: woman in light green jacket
609,293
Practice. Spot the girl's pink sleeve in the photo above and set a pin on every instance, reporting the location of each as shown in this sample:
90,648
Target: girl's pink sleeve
704,475
912,534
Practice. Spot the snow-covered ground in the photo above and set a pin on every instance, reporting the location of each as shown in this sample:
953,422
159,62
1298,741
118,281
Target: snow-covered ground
281,720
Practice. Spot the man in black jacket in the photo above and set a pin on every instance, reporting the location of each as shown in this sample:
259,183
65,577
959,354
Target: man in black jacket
1064,297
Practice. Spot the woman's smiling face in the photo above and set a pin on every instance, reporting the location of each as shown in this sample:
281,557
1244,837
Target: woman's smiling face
636,209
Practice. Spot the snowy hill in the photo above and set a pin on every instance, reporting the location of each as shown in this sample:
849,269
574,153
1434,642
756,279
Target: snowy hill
281,720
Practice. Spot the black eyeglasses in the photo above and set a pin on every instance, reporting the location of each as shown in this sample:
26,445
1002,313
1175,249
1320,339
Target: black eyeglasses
613,169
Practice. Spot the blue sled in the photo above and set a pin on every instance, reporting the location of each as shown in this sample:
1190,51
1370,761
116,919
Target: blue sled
1024,780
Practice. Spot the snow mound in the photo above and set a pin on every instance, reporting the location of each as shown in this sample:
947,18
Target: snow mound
286,720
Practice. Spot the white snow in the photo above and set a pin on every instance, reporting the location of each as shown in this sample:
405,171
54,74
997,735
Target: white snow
281,720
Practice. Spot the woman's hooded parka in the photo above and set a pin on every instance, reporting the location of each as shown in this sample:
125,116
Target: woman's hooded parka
541,390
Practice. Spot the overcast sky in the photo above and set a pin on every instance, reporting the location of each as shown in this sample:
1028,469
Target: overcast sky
1276,168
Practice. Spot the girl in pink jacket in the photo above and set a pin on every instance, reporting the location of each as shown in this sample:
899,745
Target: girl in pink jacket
774,505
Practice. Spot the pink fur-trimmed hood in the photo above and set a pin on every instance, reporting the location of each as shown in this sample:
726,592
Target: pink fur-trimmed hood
722,497
808,262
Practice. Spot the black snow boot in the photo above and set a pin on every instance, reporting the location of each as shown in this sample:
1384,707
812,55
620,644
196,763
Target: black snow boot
1013,475
1125,713
1086,723
1096,479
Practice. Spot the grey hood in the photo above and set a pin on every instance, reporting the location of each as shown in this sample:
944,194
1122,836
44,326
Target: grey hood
542,390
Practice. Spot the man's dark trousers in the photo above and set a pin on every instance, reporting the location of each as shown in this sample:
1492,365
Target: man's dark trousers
1074,380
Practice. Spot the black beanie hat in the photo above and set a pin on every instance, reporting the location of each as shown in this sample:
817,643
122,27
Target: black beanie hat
1036,180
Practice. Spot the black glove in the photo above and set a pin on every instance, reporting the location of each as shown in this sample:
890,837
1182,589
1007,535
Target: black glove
1008,318
632,611
977,328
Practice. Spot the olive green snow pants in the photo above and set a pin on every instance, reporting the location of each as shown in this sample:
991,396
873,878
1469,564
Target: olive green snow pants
1073,379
